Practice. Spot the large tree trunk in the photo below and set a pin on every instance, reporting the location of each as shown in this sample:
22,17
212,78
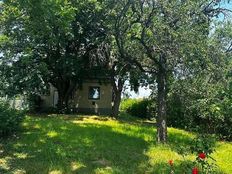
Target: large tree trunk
116,101
62,100
65,91
117,91
162,107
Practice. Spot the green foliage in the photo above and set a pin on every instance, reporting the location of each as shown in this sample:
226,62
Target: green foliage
49,42
201,107
136,107
10,119
54,42
165,38
204,109
203,103
176,116
203,100
126,103
203,143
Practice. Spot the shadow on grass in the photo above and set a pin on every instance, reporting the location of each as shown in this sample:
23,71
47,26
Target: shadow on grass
55,145
179,141
69,145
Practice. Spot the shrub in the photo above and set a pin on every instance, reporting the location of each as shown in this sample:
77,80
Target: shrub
136,107
205,109
10,119
204,145
176,113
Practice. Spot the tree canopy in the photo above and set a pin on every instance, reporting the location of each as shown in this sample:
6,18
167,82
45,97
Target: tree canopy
170,39
49,42
58,42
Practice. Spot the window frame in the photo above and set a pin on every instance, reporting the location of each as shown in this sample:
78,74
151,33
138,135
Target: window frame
92,87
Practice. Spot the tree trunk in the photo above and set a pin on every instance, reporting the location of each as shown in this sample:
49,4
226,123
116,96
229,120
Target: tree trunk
162,107
117,101
65,91
117,89
61,100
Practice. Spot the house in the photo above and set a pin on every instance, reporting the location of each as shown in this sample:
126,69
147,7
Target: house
95,97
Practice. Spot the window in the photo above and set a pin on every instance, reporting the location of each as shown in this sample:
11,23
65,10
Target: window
94,93
46,92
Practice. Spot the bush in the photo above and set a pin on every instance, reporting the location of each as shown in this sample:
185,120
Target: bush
206,109
136,107
175,111
10,119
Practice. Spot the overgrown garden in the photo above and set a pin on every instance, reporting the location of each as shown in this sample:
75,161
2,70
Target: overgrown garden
181,50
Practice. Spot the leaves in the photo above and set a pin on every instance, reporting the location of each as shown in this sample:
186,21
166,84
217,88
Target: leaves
48,42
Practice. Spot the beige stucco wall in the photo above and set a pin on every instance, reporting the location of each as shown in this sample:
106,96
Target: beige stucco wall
104,104
81,101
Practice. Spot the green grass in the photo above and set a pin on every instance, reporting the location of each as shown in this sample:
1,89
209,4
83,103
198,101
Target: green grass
81,144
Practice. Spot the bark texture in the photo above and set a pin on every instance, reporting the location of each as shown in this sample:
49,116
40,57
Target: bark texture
162,105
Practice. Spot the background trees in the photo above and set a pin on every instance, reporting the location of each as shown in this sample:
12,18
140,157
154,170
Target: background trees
59,42
202,102
172,42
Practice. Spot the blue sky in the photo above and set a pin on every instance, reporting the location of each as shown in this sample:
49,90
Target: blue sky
227,5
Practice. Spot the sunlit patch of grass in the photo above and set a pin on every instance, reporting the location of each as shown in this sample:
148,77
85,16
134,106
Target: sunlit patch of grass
161,153
55,172
76,165
223,155
107,170
4,164
19,171
37,126
21,155
52,134
62,144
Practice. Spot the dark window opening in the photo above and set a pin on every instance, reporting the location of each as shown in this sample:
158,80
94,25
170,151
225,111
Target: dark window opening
94,93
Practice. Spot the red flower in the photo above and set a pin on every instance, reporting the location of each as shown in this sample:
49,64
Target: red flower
195,170
202,155
170,162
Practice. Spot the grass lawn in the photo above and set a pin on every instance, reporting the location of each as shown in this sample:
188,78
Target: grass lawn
81,144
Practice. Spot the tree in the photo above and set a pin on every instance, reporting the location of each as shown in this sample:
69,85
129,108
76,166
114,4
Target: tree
172,38
122,70
49,42
204,98
119,70
119,75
